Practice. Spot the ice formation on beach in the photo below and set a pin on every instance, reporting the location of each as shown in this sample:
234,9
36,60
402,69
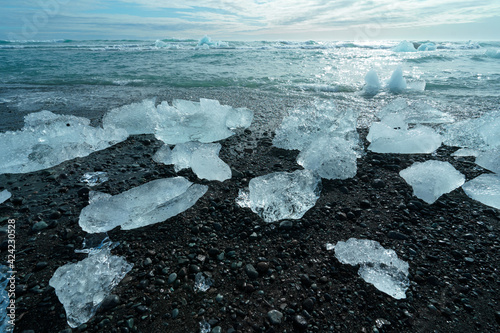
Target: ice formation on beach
140,206
82,286
377,265
201,283
4,196
489,159
48,139
431,179
281,195
94,178
404,46
478,133
372,83
303,127
397,83
485,189
202,158
5,301
427,47
135,118
391,135
205,121
416,113
330,158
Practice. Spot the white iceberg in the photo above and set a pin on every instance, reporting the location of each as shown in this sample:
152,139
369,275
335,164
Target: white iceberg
404,46
431,179
397,83
427,47
281,195
140,206
330,158
48,139
302,127
4,196
372,83
378,266
485,189
205,121
135,118
202,158
82,286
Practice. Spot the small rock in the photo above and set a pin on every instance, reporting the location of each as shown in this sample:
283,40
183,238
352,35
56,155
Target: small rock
378,183
175,313
147,262
262,267
171,278
251,272
110,302
300,322
275,317
396,235
286,225
365,204
308,304
40,265
39,226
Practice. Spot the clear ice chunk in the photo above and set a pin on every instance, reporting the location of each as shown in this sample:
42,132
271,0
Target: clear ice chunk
281,195
140,206
330,158
431,179
135,118
4,196
404,46
397,83
201,283
5,326
48,139
302,127
202,158
416,113
205,327
487,159
94,178
205,121
485,189
378,266
372,83
82,286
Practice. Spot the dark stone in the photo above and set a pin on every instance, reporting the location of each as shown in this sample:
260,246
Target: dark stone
308,304
300,322
251,271
40,265
286,225
396,235
365,204
110,302
378,183
262,267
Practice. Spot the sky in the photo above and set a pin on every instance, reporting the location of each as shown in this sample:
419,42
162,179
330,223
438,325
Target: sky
251,19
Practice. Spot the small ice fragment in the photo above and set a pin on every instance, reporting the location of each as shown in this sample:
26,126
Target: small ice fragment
404,46
485,189
378,266
96,242
82,286
372,83
4,196
397,83
489,160
94,178
135,118
329,246
147,204
205,327
5,277
201,283
431,179
281,195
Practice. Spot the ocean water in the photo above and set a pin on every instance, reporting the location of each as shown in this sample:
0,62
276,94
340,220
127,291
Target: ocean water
71,76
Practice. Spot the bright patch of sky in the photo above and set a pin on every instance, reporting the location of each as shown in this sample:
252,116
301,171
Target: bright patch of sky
251,19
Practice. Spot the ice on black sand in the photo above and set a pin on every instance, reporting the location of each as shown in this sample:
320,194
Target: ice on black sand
485,189
377,265
431,179
281,195
4,196
140,206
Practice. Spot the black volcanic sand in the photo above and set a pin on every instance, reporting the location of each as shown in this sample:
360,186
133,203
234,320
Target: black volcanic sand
452,246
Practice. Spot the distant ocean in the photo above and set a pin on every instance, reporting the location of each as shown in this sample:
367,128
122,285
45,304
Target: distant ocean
461,78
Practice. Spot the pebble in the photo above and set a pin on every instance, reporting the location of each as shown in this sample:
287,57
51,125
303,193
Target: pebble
110,302
396,235
275,317
300,322
251,271
39,226
175,313
378,183
171,278
308,304
40,265
286,225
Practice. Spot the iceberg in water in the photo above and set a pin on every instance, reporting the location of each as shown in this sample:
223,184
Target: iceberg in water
372,83
489,160
431,179
391,135
404,46
377,265
48,139
4,196
205,121
397,83
135,118
485,189
493,54
82,286
427,47
140,206
202,158
206,43
302,127
330,158
281,195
